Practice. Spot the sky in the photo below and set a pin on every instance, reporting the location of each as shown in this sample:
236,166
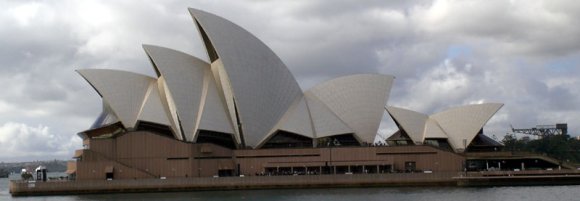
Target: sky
443,53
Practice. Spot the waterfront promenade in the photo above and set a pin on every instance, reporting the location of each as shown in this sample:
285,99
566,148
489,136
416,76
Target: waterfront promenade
18,188
495,178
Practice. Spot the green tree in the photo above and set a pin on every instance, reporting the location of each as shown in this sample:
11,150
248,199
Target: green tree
4,173
26,176
561,147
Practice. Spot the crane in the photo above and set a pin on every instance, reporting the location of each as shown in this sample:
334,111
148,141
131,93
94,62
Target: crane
543,130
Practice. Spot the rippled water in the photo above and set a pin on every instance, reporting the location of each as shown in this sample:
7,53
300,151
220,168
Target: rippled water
540,193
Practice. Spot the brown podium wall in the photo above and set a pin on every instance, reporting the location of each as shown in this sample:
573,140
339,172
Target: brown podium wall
141,154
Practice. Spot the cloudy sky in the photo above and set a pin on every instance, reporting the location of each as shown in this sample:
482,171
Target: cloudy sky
444,53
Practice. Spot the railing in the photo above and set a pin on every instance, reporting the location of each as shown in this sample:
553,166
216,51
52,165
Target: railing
522,173
500,153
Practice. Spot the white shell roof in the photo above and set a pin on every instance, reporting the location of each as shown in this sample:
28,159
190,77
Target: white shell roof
224,86
463,123
433,130
296,120
358,100
214,115
412,122
153,109
169,105
263,88
326,123
184,75
106,117
245,83
457,124
123,91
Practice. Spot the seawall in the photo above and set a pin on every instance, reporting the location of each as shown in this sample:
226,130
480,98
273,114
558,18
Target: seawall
472,179
20,188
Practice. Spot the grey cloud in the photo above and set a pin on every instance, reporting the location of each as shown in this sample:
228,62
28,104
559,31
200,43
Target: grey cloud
516,27
330,9
527,60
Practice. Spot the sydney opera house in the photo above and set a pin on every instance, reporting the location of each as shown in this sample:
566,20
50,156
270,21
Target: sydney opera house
242,112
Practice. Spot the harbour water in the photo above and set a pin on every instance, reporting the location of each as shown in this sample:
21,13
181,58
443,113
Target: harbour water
540,193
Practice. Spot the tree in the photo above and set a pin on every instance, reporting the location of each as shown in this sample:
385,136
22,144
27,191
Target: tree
26,176
561,147
4,173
